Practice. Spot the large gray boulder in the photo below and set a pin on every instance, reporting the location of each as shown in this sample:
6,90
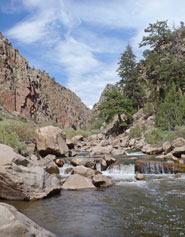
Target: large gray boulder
21,179
15,224
51,140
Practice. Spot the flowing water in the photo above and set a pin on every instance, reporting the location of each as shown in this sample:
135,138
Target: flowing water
155,207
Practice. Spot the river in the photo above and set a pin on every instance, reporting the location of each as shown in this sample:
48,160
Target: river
154,207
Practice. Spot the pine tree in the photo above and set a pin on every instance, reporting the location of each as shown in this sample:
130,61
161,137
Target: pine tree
129,78
115,104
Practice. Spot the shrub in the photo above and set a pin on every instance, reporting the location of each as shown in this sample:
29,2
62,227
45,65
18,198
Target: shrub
135,132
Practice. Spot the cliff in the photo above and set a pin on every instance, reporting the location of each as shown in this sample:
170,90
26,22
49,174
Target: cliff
34,95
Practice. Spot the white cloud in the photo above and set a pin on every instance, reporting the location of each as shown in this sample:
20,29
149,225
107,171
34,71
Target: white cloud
79,35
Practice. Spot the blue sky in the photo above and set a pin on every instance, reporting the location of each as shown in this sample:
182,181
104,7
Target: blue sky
79,42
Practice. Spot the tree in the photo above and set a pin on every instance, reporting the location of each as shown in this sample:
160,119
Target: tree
115,104
171,111
129,78
159,33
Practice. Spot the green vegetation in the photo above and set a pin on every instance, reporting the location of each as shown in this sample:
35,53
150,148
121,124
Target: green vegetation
156,83
16,133
116,104
135,132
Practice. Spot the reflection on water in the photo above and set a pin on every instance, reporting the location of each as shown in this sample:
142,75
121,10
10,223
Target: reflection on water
129,208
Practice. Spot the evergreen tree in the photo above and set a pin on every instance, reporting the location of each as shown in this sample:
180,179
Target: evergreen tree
116,104
171,111
159,33
129,78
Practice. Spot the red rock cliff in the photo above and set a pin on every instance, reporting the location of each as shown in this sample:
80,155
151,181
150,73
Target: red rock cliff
34,95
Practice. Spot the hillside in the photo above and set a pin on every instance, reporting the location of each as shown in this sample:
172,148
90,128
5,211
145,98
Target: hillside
35,95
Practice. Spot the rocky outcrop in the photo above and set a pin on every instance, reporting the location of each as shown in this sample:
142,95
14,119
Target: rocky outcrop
15,224
21,179
34,95
51,140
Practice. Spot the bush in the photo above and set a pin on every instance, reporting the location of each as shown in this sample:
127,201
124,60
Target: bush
156,136
14,133
148,109
135,132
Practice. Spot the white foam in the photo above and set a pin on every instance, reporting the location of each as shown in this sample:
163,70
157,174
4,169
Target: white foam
63,169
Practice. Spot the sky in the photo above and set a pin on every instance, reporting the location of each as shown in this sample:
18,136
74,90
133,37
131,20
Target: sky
80,42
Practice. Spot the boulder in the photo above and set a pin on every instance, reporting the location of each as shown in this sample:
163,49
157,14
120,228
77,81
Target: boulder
124,141
178,151
139,176
30,148
102,181
89,163
70,144
21,179
59,162
72,153
148,149
77,139
117,152
77,182
51,140
99,150
178,142
48,164
103,164
14,223
109,159
167,147
84,171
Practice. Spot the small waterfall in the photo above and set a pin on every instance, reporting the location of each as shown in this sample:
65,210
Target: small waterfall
121,172
98,166
152,167
66,170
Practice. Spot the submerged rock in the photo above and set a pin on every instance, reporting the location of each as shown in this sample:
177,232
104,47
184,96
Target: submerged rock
21,179
140,176
77,182
15,224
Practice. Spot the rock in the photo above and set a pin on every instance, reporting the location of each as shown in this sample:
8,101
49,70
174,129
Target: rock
34,157
103,164
77,139
98,151
16,224
170,156
30,148
148,149
109,159
84,171
167,147
72,153
102,181
77,182
89,163
178,151
161,157
59,162
21,179
68,170
117,152
70,144
48,164
179,142
124,141
51,140
139,176
132,142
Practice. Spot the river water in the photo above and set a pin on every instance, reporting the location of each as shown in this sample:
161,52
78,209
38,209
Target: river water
155,207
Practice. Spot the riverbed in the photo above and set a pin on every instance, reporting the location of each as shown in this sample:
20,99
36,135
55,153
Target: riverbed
155,207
